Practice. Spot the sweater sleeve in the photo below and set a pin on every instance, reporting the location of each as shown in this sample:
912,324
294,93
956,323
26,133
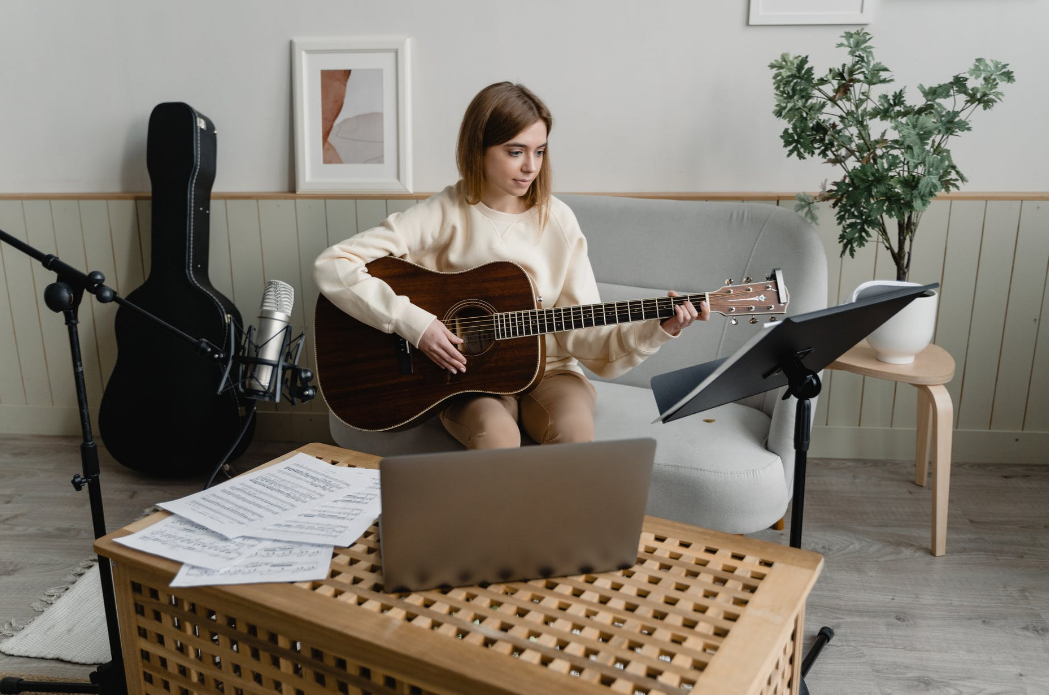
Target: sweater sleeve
342,277
608,351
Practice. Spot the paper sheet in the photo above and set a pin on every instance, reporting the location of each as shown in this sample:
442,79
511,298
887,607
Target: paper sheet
262,497
272,561
340,521
180,539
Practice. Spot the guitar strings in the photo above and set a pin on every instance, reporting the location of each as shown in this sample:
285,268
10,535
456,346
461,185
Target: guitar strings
487,323
631,308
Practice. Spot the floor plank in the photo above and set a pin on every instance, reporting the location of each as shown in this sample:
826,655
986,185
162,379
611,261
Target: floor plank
974,621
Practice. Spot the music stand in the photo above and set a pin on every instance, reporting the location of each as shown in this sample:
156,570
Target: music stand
786,353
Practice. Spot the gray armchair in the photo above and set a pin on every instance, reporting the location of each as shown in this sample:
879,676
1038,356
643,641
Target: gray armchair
731,468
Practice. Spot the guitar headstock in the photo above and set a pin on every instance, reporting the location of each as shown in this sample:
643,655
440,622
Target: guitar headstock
750,298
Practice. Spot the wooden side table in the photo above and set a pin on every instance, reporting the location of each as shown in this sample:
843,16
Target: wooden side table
701,611
932,368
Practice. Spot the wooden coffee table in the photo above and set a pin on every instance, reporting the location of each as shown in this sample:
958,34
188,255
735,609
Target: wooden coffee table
700,612
932,368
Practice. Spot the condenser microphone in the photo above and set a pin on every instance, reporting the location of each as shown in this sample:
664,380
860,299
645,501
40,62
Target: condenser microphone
274,317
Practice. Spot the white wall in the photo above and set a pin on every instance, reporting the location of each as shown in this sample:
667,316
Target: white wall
673,95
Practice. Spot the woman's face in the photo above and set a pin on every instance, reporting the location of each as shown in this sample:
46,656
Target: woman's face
510,168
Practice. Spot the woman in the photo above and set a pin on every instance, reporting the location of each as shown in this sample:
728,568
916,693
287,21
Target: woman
501,209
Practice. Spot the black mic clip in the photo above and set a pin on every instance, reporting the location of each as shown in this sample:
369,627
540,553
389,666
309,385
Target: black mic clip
285,377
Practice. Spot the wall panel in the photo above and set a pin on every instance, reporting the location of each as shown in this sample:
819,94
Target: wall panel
1012,382
12,390
962,258
25,306
40,233
991,257
988,314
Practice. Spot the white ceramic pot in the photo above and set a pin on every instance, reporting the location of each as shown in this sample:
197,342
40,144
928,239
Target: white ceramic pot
907,333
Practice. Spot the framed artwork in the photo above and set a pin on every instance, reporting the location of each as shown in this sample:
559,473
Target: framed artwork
811,11
352,115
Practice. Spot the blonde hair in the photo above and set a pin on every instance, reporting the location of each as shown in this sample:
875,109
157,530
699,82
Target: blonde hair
498,113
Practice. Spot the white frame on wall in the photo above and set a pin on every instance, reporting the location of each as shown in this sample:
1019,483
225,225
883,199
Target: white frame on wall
392,55
811,12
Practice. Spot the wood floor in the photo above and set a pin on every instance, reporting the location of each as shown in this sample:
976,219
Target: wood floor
974,621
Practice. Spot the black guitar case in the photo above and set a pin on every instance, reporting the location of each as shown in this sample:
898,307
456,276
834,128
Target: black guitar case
161,412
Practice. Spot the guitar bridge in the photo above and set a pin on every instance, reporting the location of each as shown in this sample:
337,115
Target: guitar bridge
404,356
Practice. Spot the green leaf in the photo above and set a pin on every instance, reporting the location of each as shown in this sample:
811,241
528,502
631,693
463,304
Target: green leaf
805,204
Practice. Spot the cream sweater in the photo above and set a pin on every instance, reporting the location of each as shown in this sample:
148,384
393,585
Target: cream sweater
445,234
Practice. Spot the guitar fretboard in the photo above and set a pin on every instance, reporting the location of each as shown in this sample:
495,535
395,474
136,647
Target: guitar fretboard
521,324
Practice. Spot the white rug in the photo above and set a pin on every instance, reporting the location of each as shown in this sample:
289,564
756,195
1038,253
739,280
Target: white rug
72,629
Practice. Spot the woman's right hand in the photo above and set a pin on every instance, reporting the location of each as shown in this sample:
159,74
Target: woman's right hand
438,343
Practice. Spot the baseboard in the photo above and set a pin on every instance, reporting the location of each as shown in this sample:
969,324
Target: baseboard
879,443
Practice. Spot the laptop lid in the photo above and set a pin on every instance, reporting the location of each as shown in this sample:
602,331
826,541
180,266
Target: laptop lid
466,517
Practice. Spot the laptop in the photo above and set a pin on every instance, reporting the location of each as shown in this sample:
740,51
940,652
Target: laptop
498,515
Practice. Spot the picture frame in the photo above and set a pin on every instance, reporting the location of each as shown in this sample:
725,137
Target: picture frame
782,12
352,120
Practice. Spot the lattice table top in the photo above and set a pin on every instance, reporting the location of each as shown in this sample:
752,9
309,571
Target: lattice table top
698,608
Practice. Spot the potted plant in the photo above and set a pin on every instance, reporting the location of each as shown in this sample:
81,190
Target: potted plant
893,155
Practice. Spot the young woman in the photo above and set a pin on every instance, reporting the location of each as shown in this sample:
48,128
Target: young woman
501,209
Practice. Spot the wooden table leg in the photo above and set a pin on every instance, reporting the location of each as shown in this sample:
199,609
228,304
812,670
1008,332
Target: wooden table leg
921,454
942,428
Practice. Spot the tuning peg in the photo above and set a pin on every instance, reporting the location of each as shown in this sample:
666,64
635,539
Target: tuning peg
753,319
733,321
728,281
747,280
772,319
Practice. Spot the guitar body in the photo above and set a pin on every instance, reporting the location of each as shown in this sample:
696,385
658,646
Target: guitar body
364,375
375,381
161,413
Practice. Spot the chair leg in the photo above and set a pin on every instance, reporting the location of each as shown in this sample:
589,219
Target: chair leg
943,428
921,454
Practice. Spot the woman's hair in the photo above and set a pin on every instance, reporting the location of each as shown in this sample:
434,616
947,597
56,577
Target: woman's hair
498,113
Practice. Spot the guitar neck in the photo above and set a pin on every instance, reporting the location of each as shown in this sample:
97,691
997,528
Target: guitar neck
520,324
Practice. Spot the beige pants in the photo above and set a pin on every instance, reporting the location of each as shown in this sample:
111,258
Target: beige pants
560,409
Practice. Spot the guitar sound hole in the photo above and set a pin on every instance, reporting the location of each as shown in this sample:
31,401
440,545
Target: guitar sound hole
474,325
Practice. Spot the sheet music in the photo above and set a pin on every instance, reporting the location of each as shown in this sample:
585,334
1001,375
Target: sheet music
180,539
262,497
340,521
271,561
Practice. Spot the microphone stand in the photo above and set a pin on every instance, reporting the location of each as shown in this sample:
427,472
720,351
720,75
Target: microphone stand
64,296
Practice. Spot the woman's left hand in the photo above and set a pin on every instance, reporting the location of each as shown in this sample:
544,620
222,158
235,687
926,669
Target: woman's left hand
684,315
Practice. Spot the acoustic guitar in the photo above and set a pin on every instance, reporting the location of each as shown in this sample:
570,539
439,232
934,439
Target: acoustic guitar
377,381
161,412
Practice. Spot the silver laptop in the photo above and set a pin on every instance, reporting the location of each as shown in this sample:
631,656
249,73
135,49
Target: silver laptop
467,517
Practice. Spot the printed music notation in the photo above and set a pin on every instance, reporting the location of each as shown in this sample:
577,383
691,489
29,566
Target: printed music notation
255,500
278,524
178,538
273,561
